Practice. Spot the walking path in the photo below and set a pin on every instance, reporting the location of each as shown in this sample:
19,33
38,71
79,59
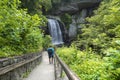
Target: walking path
44,71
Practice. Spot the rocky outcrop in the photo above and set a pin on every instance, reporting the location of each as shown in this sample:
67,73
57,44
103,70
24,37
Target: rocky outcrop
74,6
78,10
72,31
64,32
77,20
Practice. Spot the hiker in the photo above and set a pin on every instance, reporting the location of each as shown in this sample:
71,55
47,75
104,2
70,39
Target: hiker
51,54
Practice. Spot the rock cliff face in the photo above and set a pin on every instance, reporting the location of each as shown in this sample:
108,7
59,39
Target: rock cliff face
78,10
72,6
77,20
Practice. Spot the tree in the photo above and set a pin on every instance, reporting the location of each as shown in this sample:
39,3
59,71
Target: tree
36,6
102,28
19,31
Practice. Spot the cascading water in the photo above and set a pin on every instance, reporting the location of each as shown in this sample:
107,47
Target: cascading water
55,32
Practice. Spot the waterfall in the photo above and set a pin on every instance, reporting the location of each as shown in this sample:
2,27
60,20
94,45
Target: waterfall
55,32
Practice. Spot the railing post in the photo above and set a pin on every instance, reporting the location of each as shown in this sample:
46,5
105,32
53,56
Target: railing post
63,67
61,72
55,68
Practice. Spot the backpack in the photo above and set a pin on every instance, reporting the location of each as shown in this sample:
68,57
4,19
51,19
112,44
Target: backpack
50,50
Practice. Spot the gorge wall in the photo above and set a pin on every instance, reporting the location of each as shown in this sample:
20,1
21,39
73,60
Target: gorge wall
78,10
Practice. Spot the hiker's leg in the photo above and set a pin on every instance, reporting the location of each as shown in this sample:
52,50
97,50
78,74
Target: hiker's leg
49,60
52,58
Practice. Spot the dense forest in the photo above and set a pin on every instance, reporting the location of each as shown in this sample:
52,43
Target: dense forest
93,55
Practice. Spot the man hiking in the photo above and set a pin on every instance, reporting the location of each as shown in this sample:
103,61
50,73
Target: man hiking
51,54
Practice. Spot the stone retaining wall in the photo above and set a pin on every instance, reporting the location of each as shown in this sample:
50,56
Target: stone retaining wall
16,68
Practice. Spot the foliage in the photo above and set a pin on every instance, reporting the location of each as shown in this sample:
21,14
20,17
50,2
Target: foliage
113,56
66,19
102,28
36,6
90,66
46,41
19,32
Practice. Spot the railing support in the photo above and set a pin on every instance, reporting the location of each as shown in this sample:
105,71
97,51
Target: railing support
70,75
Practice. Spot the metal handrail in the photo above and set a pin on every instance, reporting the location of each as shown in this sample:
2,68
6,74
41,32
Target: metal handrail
70,74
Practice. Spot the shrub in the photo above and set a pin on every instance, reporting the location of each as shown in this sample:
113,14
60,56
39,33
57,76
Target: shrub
19,31
66,19
88,65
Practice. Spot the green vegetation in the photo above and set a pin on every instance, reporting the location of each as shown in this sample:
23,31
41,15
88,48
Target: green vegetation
36,6
66,19
47,41
19,31
25,75
90,66
102,32
99,58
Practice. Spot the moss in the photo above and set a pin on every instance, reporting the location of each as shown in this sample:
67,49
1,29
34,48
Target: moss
25,75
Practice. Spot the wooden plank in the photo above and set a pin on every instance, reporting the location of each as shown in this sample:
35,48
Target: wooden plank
16,65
